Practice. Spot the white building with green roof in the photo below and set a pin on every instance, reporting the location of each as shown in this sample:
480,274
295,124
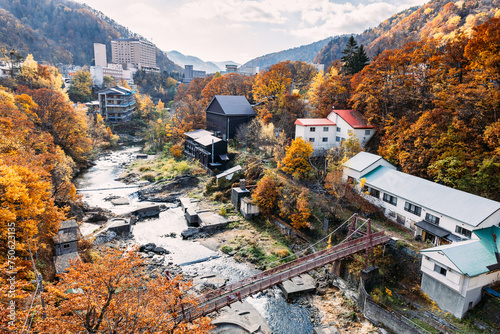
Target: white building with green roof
454,275
437,213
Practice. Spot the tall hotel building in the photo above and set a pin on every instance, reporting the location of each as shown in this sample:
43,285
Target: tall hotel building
137,52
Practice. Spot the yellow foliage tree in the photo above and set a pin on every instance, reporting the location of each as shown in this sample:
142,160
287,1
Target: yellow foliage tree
296,161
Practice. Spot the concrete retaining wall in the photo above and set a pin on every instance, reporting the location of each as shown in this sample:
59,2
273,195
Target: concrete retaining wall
379,316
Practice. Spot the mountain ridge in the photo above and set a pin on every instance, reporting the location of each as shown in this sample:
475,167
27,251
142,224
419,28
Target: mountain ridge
198,64
61,31
304,53
441,19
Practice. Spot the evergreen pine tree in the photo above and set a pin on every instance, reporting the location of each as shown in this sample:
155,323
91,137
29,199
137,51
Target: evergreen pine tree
360,59
354,57
348,56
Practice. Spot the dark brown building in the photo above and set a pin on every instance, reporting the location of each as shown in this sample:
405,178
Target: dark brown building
226,112
209,150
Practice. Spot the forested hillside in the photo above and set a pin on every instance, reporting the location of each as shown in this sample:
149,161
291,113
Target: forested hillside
439,19
304,53
60,31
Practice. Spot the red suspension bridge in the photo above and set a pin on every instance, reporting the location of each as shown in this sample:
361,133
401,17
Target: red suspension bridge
356,241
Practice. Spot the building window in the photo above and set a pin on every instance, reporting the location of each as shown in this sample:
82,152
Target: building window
311,140
325,129
66,246
367,132
440,270
416,210
390,199
337,138
373,192
325,139
312,129
432,219
463,231
338,129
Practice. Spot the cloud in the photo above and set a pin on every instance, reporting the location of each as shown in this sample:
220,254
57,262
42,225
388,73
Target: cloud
244,29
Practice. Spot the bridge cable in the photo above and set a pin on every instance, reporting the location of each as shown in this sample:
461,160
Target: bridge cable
312,245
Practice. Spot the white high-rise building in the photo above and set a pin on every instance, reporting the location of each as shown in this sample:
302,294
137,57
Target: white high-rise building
134,51
100,55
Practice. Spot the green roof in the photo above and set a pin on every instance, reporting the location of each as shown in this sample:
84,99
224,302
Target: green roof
473,257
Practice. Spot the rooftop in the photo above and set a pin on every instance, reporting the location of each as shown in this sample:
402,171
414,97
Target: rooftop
68,224
232,105
198,133
354,118
362,160
473,257
116,90
314,122
465,207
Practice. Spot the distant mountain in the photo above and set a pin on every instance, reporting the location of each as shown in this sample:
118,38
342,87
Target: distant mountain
222,64
61,31
302,53
441,19
198,64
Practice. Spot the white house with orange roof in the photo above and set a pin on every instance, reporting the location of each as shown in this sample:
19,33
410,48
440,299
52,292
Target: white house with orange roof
325,133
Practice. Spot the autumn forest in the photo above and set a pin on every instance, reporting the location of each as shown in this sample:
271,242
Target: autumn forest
435,104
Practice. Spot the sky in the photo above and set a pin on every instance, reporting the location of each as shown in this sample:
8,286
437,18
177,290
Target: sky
240,30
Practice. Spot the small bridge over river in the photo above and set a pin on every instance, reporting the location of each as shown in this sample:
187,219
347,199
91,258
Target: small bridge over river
356,241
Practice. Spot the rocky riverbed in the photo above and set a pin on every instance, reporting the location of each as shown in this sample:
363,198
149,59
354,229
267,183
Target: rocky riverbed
166,252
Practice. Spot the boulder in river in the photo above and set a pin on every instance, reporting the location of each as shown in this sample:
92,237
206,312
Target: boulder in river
190,232
147,247
120,201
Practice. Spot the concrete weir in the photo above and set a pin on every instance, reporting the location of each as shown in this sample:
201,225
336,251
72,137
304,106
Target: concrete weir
297,285
240,318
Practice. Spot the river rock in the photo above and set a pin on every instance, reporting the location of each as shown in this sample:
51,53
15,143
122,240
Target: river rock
160,250
147,247
120,201
96,217
153,191
104,237
190,232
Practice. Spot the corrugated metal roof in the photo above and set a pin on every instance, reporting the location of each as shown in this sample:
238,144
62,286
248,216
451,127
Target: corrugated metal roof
198,133
116,89
362,160
473,257
314,122
457,204
229,171
69,224
207,140
354,118
233,105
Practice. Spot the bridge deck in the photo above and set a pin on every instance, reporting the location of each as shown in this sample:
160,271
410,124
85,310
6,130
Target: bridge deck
231,293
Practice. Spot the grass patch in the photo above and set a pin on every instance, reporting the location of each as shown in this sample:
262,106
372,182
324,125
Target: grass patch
162,168
226,249
425,325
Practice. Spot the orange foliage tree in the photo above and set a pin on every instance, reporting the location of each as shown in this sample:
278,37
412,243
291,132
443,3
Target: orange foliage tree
112,295
266,195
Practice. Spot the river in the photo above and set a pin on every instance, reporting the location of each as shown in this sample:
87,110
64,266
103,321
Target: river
195,259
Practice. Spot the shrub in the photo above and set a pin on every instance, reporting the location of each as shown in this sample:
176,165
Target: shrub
226,249
150,176
282,253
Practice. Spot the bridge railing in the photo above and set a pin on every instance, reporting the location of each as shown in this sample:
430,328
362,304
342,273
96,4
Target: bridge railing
286,266
234,292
